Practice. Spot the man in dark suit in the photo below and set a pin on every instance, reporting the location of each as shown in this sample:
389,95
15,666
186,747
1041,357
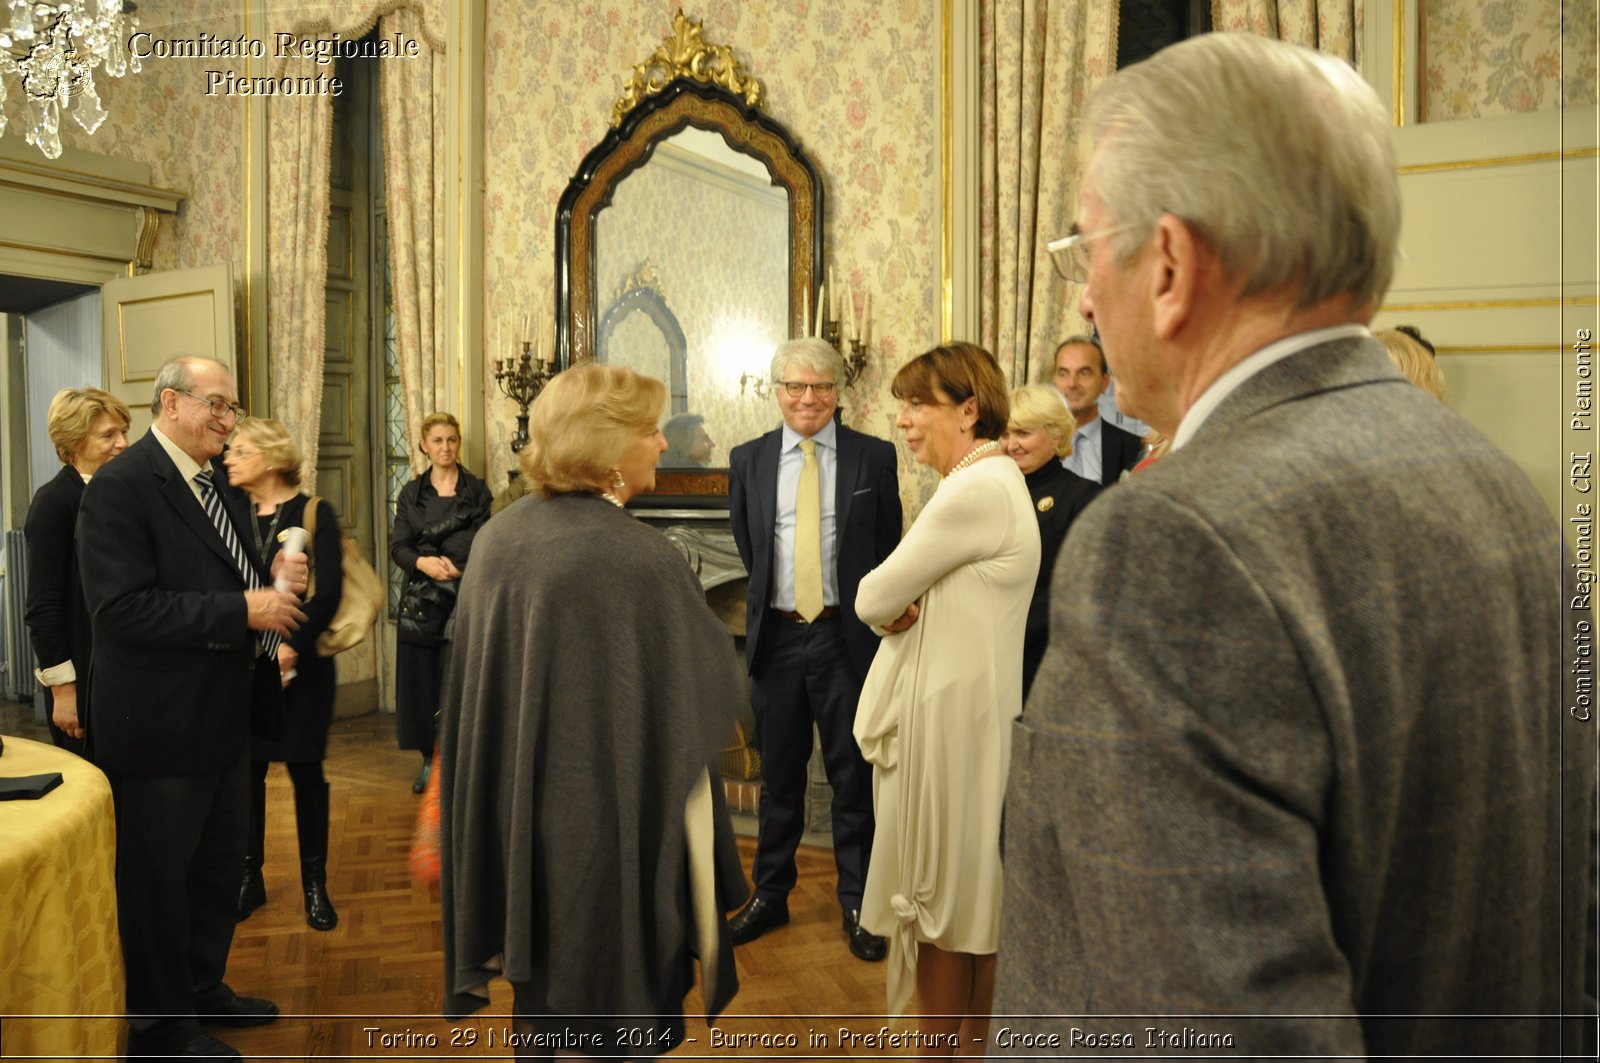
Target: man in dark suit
815,506
186,624
1299,750
1101,452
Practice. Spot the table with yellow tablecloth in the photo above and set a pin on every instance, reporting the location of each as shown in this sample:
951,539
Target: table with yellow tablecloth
61,981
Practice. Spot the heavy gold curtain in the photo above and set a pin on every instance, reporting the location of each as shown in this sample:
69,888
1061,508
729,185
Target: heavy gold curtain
413,174
300,128
299,134
1039,59
1332,26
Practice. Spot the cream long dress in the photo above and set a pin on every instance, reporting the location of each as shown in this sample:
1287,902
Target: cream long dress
936,711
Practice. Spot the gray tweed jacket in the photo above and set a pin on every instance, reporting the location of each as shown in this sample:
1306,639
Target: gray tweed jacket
1300,749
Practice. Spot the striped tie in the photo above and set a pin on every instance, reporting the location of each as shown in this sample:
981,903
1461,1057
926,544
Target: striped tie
219,517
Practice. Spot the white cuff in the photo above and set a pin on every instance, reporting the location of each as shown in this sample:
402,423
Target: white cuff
56,674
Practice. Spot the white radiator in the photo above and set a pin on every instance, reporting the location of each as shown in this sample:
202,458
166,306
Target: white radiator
17,649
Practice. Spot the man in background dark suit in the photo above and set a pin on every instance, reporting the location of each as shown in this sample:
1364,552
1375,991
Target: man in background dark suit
1101,452
1298,776
182,619
808,653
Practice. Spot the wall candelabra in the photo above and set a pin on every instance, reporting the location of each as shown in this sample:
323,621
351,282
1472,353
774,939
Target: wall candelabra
833,314
521,380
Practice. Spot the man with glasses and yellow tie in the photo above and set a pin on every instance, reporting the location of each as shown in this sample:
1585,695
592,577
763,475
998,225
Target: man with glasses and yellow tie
814,506
186,624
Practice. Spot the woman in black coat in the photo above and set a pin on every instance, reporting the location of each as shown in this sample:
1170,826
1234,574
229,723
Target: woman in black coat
88,428
435,520
1038,436
264,461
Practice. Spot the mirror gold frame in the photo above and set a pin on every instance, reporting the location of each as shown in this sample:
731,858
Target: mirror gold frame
626,148
680,102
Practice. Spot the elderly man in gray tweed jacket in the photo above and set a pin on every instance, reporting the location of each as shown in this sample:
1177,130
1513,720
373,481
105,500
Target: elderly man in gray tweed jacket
1298,775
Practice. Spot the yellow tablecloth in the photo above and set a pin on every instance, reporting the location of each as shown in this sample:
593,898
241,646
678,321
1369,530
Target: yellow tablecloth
61,981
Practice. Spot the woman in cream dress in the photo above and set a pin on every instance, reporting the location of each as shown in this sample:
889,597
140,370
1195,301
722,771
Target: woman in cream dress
935,714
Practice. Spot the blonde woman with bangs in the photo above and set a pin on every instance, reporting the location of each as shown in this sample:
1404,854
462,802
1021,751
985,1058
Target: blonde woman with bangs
1038,438
88,427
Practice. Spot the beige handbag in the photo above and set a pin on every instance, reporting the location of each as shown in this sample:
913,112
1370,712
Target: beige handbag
363,595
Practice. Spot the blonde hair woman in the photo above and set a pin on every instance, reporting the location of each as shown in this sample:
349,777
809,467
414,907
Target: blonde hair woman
1037,437
264,461
436,517
586,850
1414,357
88,427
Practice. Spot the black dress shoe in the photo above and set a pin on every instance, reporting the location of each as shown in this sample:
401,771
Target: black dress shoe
234,1010
758,917
864,945
252,894
204,1046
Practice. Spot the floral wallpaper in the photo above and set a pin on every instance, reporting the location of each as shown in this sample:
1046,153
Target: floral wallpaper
855,81
1481,59
194,143
719,249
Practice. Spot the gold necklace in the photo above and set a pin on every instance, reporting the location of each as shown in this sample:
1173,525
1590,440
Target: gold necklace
613,499
982,450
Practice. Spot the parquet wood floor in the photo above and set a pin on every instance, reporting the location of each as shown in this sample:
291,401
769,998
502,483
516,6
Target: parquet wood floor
370,988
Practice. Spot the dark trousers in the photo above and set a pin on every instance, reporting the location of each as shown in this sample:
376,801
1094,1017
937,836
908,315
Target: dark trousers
804,678
180,852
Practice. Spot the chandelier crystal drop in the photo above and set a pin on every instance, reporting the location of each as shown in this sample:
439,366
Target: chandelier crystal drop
51,51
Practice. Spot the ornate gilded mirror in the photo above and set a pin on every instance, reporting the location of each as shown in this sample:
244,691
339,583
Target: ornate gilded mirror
720,201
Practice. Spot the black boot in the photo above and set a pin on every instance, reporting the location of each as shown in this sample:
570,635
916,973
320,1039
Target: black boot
253,888
311,818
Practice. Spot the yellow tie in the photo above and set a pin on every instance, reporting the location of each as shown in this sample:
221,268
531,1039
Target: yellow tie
808,536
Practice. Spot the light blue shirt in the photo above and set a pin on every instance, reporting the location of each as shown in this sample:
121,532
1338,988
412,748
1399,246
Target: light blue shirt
790,460
1108,410
1085,457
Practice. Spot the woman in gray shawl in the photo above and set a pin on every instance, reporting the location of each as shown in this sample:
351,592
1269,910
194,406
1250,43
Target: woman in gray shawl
586,848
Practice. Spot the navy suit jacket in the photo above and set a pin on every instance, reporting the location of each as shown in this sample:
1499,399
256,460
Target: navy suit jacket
174,683
867,524
1119,452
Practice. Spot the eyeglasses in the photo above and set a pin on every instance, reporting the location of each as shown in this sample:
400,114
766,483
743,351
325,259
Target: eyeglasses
219,407
821,389
1071,258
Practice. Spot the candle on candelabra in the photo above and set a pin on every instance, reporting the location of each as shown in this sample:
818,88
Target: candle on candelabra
833,293
822,302
805,306
866,322
499,363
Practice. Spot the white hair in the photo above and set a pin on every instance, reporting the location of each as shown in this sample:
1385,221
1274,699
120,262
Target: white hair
808,352
1277,156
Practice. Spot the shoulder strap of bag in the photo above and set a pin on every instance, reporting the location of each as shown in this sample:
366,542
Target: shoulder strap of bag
311,538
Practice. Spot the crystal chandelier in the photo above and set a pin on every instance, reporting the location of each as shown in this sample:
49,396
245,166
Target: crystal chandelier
52,50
